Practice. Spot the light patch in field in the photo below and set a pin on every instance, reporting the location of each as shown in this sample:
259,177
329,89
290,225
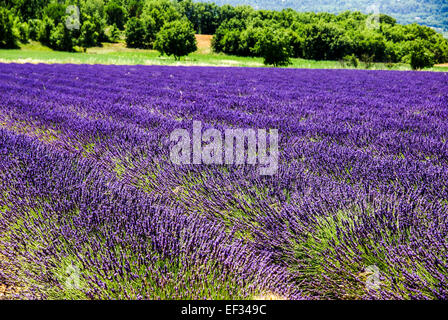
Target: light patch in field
27,60
112,48
44,134
236,62
204,42
269,296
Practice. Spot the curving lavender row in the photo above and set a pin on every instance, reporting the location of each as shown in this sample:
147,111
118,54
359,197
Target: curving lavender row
92,207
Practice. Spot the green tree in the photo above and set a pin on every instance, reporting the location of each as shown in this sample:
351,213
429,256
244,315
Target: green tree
161,12
421,57
100,26
367,60
116,14
135,8
89,35
205,17
29,9
227,41
227,38
246,41
135,33
92,7
45,29
176,38
140,32
274,47
8,34
325,41
351,60
34,26
61,38
24,31
114,33
150,30
56,12
297,43
387,19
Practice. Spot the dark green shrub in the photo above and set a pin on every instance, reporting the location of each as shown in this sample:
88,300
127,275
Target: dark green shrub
297,44
89,35
421,58
56,12
150,30
24,32
33,28
351,60
61,38
8,35
114,34
227,41
367,60
161,12
135,33
140,32
100,26
176,38
135,8
45,29
247,40
274,47
325,41
116,14
227,37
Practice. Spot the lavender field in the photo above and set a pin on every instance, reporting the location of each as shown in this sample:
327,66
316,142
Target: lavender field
92,207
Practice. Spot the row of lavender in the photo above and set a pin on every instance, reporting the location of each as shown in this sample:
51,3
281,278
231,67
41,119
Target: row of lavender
87,184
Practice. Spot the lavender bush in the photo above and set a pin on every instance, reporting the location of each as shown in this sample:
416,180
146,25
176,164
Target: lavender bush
92,207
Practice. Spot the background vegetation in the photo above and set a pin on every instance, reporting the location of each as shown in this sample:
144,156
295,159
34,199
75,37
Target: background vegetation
169,26
433,13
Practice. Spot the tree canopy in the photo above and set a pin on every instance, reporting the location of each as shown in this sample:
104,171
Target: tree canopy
238,30
176,38
432,13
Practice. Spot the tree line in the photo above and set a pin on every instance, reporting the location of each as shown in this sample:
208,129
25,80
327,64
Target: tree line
169,26
432,13
324,36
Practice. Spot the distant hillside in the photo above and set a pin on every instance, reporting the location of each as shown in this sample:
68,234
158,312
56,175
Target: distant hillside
433,13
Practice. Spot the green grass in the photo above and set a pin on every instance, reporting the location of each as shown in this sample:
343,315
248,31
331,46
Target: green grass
34,52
